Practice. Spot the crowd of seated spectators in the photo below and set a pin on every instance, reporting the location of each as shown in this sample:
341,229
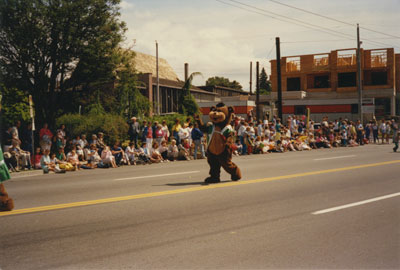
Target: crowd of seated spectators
156,142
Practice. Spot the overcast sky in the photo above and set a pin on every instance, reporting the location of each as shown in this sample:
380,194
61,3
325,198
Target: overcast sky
217,39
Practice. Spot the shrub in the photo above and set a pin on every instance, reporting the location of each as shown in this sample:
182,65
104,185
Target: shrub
113,126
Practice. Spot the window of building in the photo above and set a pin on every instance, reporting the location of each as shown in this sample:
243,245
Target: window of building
322,81
379,78
293,64
293,84
300,110
347,79
375,77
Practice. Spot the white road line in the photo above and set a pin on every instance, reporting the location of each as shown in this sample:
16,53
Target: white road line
23,176
356,204
334,157
155,175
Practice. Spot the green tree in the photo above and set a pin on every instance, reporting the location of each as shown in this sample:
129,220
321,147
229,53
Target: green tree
14,106
187,103
129,99
51,48
265,84
225,82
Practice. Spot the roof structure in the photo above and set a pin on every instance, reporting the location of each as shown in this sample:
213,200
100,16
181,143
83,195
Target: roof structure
145,63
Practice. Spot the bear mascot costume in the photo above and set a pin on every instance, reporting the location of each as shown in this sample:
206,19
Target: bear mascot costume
219,151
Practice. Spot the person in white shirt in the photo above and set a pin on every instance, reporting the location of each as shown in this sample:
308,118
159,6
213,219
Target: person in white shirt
184,133
260,128
130,153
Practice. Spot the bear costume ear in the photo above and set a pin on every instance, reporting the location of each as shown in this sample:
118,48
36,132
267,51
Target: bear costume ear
213,108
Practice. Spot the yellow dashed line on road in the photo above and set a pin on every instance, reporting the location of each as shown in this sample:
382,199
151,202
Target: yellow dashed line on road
185,190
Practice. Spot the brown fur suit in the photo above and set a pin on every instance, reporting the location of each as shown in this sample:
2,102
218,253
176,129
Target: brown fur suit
6,203
219,151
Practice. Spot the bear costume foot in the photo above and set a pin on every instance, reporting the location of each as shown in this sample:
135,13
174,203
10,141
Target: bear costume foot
210,180
235,177
6,203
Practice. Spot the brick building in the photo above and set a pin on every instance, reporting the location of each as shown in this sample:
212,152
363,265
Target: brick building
327,83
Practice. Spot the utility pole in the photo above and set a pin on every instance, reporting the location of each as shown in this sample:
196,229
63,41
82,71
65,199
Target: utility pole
186,71
279,75
359,82
251,77
258,91
158,81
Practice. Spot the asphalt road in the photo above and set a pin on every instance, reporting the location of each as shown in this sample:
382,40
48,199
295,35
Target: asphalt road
281,215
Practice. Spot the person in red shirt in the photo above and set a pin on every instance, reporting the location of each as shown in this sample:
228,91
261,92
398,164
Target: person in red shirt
45,136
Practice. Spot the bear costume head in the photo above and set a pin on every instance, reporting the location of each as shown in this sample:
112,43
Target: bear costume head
221,115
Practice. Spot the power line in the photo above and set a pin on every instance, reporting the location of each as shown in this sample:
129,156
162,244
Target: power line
330,31
332,19
302,23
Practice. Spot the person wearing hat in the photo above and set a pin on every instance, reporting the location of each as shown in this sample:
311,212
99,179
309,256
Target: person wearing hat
133,132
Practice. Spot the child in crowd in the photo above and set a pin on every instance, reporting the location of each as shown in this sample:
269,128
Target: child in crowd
184,153
72,157
130,152
173,151
142,153
155,155
163,149
108,158
36,158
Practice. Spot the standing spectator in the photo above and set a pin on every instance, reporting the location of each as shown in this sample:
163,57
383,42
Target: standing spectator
149,136
375,131
240,134
7,139
184,133
159,134
62,134
197,136
165,130
190,128
388,130
133,132
27,138
396,138
144,131
382,129
175,130
45,136
260,128
360,130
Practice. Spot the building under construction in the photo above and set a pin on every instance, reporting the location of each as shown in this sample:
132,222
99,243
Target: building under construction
327,84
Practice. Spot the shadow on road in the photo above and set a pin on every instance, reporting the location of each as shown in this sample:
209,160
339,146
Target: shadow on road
191,184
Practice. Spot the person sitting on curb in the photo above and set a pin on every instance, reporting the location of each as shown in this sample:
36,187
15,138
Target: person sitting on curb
46,163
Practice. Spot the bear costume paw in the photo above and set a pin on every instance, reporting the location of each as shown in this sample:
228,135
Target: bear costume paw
210,180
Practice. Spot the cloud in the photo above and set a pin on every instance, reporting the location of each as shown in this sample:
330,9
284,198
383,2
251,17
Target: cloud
220,40
126,6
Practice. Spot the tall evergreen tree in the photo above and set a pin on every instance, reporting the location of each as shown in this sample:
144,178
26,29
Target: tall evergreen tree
265,84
